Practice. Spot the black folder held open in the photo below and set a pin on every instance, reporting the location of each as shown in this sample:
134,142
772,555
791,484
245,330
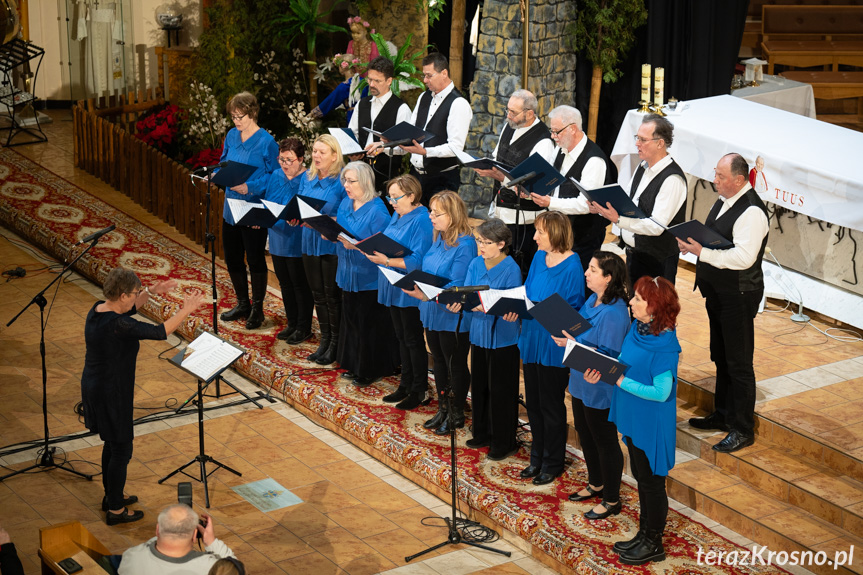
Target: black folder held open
581,358
556,316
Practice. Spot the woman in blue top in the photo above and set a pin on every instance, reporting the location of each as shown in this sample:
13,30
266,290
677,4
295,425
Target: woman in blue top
411,227
368,349
555,269
247,143
452,250
607,312
643,406
285,244
493,350
319,255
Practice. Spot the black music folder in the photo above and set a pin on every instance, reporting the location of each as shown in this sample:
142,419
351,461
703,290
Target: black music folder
468,300
233,174
581,358
614,195
556,315
384,245
251,214
502,302
701,234
403,131
347,141
292,210
546,180
469,161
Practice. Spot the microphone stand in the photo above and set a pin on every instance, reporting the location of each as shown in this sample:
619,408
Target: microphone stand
454,537
46,460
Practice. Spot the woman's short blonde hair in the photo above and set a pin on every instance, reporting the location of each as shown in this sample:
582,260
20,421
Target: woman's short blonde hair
410,186
245,103
559,230
365,177
452,205
119,281
333,144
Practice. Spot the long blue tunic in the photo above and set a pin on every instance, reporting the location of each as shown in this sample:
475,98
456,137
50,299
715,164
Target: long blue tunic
331,190
356,272
650,424
449,262
490,331
565,279
610,324
285,241
414,231
259,150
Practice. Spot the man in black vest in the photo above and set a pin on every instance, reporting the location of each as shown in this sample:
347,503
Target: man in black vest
732,284
658,187
379,111
442,111
577,157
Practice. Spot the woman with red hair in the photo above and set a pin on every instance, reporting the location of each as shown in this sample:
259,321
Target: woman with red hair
643,406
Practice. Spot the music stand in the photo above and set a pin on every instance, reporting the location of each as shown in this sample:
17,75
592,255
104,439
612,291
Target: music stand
202,458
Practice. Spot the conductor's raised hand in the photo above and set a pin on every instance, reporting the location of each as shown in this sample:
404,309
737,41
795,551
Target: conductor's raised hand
193,300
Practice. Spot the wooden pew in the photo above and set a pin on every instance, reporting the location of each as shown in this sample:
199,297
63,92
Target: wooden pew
832,85
71,539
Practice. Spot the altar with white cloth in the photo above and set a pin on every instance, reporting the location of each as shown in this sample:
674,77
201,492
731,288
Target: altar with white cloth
811,168
781,93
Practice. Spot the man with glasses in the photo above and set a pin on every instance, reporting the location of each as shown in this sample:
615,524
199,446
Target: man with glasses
522,136
658,187
379,111
577,157
444,112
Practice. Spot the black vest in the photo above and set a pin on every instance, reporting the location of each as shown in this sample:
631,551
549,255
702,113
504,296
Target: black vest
725,280
664,245
383,164
437,126
587,229
513,156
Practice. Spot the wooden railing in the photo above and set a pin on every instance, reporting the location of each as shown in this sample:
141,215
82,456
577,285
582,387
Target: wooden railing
106,147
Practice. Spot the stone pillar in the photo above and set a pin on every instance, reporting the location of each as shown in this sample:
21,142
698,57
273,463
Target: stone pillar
551,76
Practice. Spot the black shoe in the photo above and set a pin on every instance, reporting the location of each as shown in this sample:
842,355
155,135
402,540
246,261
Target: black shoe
412,401
500,455
444,428
647,550
578,497
285,334
435,421
734,441
239,311
329,356
126,501
477,442
545,478
124,517
529,471
298,337
259,292
396,396
609,510
712,421
622,546
348,375
322,349
364,381
256,316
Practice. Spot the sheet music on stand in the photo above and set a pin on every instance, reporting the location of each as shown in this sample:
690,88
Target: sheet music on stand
207,356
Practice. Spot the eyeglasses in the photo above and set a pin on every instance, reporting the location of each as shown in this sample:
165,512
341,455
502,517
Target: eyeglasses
640,140
287,161
351,182
485,242
557,132
430,76
436,215
136,293
238,118
513,113
393,200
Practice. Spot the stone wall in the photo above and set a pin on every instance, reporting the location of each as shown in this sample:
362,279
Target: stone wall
551,76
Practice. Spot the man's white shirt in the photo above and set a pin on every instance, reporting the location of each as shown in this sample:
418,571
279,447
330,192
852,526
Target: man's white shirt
457,126
671,196
747,234
592,177
377,104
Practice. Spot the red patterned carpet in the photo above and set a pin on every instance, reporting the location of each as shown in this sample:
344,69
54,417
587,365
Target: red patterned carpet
54,214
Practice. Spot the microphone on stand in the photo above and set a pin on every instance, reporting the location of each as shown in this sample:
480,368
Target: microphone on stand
96,235
465,289
203,169
513,183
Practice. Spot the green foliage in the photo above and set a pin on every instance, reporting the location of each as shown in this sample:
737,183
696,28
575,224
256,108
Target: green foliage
303,19
406,71
435,9
605,29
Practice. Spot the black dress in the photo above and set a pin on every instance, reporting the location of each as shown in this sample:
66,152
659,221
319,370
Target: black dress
108,380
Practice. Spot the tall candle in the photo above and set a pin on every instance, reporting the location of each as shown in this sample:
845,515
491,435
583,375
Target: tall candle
659,86
645,82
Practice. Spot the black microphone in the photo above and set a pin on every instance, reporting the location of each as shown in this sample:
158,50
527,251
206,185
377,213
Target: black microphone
465,289
96,235
203,169
513,183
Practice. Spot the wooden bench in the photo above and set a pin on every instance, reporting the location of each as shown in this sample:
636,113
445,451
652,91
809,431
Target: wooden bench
73,540
812,36
832,85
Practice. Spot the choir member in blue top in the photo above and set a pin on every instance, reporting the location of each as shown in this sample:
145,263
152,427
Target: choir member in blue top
368,343
493,351
319,255
554,269
247,143
285,244
643,406
452,250
410,226
608,314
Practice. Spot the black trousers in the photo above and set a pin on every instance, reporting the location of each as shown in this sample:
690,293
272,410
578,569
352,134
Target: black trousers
367,340
241,242
434,183
732,347
639,264
412,349
523,245
544,390
494,396
321,274
652,498
115,460
296,293
601,449
445,351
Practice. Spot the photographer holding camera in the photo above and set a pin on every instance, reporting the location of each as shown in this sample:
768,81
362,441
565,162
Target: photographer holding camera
171,551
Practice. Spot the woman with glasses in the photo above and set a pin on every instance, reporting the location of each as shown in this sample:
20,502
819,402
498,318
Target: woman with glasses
286,244
368,343
555,269
411,226
111,337
452,250
319,255
248,144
